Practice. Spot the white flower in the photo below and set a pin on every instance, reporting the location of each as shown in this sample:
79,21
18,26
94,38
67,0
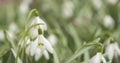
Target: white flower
52,39
40,46
68,8
98,58
24,6
23,9
108,22
97,4
12,30
34,31
2,36
112,50
112,1
13,27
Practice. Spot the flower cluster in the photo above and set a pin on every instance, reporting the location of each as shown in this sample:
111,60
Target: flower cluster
40,46
112,50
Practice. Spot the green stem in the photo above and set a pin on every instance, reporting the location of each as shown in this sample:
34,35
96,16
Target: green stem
83,49
30,14
26,30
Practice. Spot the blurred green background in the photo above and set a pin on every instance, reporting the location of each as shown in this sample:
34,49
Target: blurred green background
72,22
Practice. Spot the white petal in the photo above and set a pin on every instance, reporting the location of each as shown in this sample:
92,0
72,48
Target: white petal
97,4
39,20
117,48
97,58
52,39
48,45
110,51
46,55
13,27
112,1
28,50
38,54
33,48
103,60
67,9
108,22
33,32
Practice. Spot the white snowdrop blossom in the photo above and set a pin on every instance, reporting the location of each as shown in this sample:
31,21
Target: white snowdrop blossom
23,9
12,30
98,58
108,22
52,39
112,50
2,36
97,4
38,20
13,27
34,31
112,1
24,6
39,47
68,8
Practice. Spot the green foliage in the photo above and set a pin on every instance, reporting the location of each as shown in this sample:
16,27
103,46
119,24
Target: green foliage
78,34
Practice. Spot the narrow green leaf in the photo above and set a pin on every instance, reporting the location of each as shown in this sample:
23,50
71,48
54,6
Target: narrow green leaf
56,59
15,55
81,50
74,56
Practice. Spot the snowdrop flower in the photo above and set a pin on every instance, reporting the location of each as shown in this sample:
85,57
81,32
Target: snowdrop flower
40,46
112,50
98,58
12,30
24,8
34,31
52,39
13,27
97,4
2,37
108,22
112,1
68,8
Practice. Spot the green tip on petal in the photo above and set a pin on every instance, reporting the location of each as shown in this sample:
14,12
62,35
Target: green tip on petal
40,44
39,31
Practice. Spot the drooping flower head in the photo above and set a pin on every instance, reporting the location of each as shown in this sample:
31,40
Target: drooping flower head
40,46
34,31
98,58
112,50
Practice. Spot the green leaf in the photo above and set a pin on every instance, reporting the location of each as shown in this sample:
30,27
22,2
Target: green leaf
81,50
56,60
